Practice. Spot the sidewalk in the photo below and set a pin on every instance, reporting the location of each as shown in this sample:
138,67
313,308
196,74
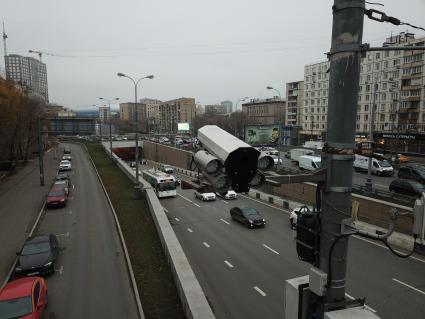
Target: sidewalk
21,198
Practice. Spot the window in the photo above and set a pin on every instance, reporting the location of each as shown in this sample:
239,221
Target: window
376,66
369,67
367,97
358,126
387,54
366,108
365,127
385,64
367,88
382,117
366,117
396,62
383,107
384,86
377,56
383,96
368,78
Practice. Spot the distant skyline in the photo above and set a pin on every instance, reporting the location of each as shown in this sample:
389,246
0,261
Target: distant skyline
209,50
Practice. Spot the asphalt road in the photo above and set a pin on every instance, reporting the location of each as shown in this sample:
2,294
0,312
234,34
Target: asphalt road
243,271
91,279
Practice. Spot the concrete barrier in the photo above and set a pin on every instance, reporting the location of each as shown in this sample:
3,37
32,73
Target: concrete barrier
192,297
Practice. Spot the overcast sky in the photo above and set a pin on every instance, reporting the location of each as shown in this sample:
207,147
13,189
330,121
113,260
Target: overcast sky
209,50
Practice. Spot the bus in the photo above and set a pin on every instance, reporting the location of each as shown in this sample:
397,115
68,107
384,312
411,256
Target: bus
164,184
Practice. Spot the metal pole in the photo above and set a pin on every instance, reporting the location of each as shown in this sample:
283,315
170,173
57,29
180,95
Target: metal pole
40,151
137,185
368,184
347,33
110,131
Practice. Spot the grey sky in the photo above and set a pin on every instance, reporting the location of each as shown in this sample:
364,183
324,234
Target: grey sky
209,50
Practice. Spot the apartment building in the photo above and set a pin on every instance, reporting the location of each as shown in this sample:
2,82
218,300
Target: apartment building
264,111
128,113
294,102
152,112
215,109
391,89
29,73
181,110
104,114
228,106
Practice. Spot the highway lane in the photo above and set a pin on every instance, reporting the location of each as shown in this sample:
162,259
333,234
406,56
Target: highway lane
264,258
91,279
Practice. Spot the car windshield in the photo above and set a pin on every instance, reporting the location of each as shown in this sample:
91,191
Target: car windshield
317,164
15,308
166,186
384,163
35,248
56,193
249,212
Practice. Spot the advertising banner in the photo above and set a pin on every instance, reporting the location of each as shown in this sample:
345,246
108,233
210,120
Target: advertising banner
261,134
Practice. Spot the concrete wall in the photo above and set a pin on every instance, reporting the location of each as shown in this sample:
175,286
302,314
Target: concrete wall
166,154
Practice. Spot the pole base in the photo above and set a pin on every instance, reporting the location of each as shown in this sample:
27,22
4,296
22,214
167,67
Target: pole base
137,191
368,188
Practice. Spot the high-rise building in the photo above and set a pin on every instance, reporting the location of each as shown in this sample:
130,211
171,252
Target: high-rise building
228,106
152,112
104,114
128,113
28,73
294,102
215,109
181,110
268,111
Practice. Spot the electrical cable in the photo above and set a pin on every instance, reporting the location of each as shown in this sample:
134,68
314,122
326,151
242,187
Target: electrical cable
330,257
397,253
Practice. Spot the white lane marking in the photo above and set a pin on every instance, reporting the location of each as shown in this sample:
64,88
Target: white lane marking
225,221
352,298
165,210
57,213
64,234
177,220
206,245
189,230
262,293
196,204
184,198
271,249
225,201
228,264
383,186
409,286
281,209
73,186
382,246
60,270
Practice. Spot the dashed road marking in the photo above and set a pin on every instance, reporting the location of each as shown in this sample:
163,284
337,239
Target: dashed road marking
60,270
262,293
271,249
165,210
352,298
189,230
206,245
409,286
64,234
228,264
196,205
185,198
225,221
225,201
177,220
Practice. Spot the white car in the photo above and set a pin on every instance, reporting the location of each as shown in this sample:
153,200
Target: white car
205,196
293,216
65,165
67,157
229,195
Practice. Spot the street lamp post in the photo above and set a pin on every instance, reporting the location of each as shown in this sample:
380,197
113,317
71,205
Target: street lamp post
236,108
137,190
279,122
110,122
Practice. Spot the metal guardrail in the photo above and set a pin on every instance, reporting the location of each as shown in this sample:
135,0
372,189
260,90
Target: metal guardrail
384,195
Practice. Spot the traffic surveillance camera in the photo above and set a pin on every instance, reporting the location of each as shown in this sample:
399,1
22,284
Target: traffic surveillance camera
209,163
265,162
239,159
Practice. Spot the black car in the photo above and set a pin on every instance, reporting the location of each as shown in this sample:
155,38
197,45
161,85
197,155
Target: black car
63,176
248,216
406,187
37,257
413,172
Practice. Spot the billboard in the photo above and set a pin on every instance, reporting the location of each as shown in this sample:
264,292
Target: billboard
183,127
261,134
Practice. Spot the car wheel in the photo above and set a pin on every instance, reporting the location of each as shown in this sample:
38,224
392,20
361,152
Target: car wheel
291,220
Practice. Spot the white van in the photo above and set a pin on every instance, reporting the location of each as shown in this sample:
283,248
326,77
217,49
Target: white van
296,153
379,167
309,163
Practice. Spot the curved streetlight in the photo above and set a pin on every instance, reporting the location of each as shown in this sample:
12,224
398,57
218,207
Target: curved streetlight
279,122
137,190
109,101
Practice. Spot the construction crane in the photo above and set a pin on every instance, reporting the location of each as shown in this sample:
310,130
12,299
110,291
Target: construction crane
40,53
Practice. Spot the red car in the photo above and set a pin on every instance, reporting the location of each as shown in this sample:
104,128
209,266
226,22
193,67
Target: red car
24,298
57,197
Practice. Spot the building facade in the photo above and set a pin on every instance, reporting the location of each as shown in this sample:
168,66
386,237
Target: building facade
228,106
181,110
29,73
215,109
267,111
128,113
104,114
391,95
152,113
294,102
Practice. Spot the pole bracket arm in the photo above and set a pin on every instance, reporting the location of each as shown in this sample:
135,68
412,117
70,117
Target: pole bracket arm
276,180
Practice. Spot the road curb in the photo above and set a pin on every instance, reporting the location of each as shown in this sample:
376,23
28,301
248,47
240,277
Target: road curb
124,246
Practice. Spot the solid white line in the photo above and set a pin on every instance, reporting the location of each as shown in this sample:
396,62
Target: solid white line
165,210
225,221
352,298
281,209
382,246
228,264
225,202
189,230
409,286
271,249
383,186
206,245
177,220
262,293
184,198
196,204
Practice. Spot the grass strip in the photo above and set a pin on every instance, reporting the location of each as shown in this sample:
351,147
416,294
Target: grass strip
156,286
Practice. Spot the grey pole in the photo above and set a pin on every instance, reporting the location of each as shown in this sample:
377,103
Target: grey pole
347,33
40,151
110,123
368,184
279,122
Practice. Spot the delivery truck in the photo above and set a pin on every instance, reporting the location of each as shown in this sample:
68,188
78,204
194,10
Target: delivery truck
380,167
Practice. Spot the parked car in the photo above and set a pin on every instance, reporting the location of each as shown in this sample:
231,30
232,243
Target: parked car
297,152
67,150
166,169
24,298
37,256
293,216
63,176
413,172
64,184
248,216
56,197
406,187
204,196
400,158
65,165
230,194
67,157
309,162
